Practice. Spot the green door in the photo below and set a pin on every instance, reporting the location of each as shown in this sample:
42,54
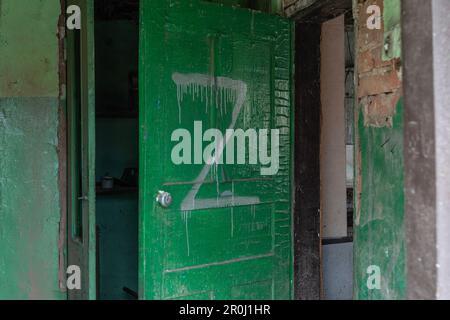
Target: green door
227,233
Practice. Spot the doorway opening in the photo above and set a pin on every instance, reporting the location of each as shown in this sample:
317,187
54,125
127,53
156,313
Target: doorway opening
324,139
336,157
117,148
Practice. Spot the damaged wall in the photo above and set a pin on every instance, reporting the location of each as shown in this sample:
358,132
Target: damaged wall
315,10
270,6
379,166
30,204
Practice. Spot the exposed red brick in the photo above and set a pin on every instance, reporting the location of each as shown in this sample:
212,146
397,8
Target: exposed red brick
371,59
379,81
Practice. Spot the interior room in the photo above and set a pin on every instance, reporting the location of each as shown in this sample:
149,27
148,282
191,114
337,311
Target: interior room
117,140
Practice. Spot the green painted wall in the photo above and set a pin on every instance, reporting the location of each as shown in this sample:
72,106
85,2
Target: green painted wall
379,235
379,232
29,118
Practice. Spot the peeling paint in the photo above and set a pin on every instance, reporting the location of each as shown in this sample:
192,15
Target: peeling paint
379,110
22,75
379,202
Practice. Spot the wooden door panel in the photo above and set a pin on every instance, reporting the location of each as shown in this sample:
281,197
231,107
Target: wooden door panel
227,234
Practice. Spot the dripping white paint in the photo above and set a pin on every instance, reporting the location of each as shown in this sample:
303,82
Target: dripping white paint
236,146
215,92
212,91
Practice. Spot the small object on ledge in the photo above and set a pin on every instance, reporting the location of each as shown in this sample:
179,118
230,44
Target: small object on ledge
117,190
107,183
112,186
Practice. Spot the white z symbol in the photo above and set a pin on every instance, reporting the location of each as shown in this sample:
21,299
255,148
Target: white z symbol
196,80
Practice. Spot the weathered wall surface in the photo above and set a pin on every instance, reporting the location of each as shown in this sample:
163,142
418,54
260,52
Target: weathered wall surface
272,6
29,150
379,203
313,9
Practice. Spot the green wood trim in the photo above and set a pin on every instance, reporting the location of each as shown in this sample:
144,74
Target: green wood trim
81,239
392,30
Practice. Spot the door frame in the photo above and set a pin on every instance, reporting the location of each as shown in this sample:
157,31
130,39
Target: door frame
426,91
306,187
81,240
307,223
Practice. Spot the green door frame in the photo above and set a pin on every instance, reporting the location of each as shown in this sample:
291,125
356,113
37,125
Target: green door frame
81,150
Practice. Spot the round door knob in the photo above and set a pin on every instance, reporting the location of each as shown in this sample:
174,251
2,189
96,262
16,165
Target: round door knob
164,199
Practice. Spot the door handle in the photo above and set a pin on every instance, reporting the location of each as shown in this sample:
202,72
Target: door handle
164,199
